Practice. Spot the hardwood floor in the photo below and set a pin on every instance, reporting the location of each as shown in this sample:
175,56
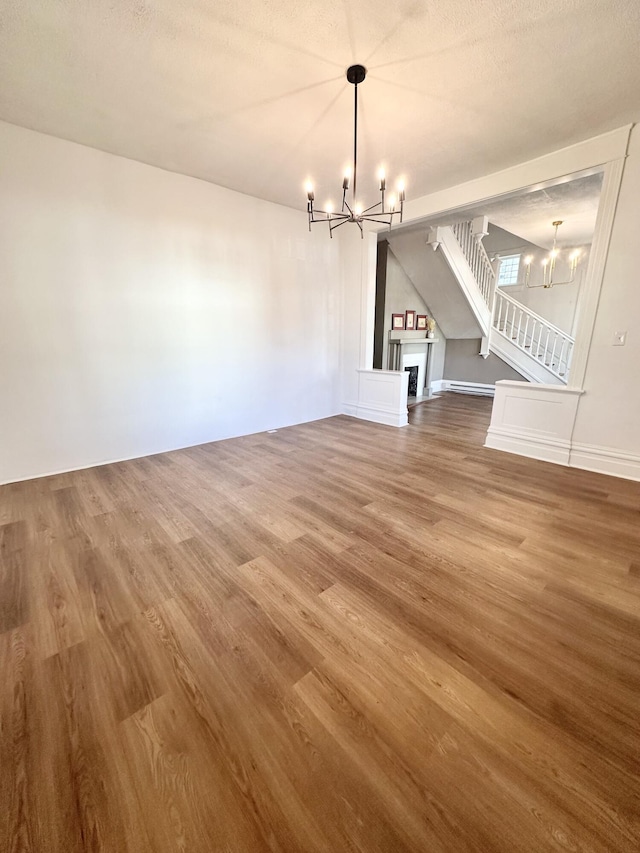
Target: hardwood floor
339,637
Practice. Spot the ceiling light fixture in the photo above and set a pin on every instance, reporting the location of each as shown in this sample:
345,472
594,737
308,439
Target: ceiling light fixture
549,264
356,212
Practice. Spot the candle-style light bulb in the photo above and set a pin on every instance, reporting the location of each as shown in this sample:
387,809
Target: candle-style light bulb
346,179
574,259
400,187
309,189
328,209
383,179
357,209
392,202
528,260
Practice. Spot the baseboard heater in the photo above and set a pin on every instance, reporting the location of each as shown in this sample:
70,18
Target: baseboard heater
469,388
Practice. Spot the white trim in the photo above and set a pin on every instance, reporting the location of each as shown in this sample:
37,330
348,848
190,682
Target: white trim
587,457
589,294
444,238
605,460
378,415
546,449
541,387
532,173
368,298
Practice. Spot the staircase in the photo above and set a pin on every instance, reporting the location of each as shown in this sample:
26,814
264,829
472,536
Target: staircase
477,259
448,281
538,350
534,347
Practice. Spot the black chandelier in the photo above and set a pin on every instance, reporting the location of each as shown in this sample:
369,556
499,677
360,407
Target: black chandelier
354,212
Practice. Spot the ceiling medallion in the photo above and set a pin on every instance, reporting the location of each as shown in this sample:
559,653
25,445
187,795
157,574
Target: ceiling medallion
355,211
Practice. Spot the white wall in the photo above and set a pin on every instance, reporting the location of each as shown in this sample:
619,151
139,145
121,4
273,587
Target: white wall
609,410
142,310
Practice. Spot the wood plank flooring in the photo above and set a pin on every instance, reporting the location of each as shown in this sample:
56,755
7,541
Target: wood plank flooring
338,637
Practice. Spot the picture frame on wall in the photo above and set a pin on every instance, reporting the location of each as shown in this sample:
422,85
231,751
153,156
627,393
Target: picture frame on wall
421,322
397,322
410,320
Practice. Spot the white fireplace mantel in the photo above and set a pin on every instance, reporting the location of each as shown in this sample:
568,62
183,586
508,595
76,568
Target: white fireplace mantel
412,349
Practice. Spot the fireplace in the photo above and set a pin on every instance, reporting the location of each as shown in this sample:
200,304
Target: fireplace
413,380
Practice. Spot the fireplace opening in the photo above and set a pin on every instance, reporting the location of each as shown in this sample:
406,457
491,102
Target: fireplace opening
413,380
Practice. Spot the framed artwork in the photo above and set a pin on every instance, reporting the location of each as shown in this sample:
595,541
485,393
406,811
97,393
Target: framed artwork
410,320
421,322
397,322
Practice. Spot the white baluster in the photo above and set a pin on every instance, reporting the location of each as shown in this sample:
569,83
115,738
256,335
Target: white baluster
553,352
561,357
546,347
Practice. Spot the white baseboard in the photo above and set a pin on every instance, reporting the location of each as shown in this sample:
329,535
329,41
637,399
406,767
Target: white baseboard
605,460
459,386
388,417
546,449
588,457
377,415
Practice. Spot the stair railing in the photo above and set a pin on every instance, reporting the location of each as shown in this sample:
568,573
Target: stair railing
477,259
533,335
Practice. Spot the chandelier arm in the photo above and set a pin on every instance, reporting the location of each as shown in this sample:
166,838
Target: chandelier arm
388,222
333,227
382,213
376,221
333,215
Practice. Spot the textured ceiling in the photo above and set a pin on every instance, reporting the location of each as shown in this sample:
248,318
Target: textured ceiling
529,214
251,95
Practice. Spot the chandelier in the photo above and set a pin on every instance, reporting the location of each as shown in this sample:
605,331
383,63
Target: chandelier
355,211
549,264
